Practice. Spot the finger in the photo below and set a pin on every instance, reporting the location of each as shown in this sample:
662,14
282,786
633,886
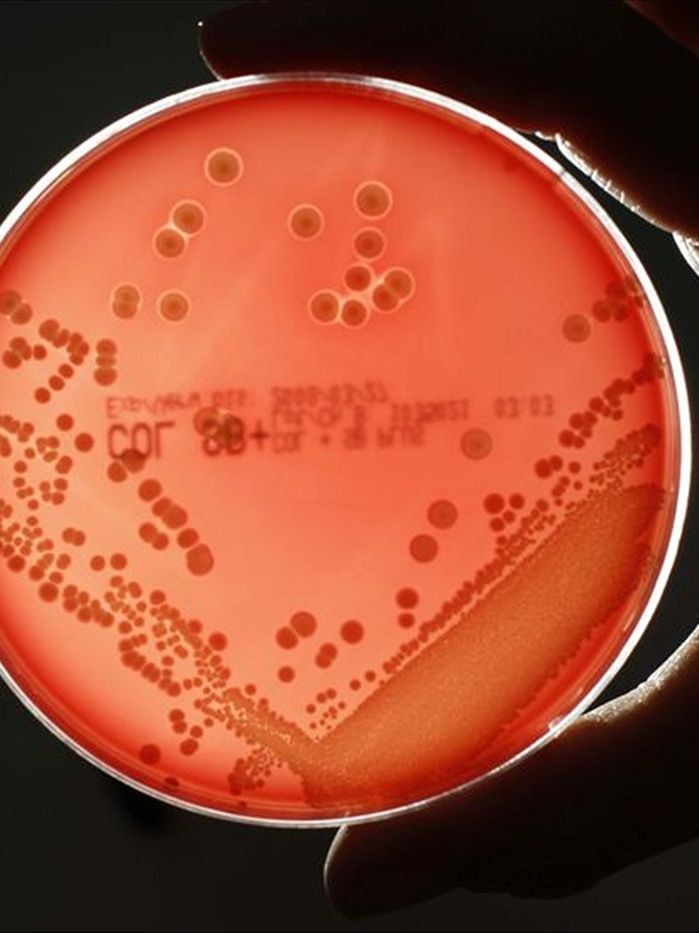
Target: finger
618,786
607,80
678,18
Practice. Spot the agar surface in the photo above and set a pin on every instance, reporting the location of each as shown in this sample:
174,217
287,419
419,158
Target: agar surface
313,504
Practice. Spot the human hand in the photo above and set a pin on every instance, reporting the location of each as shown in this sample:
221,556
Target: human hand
621,89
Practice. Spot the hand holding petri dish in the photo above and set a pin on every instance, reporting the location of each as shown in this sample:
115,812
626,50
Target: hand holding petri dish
345,445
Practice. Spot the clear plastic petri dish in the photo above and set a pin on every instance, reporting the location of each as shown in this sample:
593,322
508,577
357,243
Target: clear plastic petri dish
345,449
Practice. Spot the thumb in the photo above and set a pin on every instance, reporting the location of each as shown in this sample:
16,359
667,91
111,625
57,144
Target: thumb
617,787
570,69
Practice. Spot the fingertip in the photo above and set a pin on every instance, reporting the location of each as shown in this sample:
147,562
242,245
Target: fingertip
418,42
678,19
392,863
257,36
345,872
328,865
364,873
220,37
340,879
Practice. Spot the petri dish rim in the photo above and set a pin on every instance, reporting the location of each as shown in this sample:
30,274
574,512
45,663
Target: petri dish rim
198,96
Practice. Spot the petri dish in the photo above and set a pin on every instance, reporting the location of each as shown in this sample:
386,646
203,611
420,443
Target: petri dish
344,443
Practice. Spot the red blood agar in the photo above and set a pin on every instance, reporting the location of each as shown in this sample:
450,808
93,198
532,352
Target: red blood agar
225,451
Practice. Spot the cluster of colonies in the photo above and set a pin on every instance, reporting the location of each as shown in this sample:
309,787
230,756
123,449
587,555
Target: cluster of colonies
303,625
19,352
327,716
26,547
222,167
105,371
365,288
475,444
519,528
14,308
608,405
198,556
622,299
126,300
566,476
441,515
24,541
172,516
187,219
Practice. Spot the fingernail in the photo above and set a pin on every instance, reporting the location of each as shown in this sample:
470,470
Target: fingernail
220,37
689,249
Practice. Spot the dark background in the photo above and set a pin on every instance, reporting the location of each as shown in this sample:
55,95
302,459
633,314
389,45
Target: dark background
78,851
